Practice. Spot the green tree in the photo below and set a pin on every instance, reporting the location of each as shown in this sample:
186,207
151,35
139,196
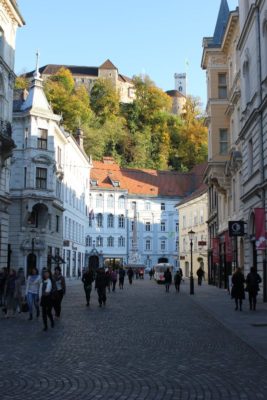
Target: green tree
104,100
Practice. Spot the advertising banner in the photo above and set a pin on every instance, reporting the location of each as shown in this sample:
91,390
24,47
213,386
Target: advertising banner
260,231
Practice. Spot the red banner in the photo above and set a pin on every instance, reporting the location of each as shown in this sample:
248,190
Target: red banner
215,250
260,231
228,247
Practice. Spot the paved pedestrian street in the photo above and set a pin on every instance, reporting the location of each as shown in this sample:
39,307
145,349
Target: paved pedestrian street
145,344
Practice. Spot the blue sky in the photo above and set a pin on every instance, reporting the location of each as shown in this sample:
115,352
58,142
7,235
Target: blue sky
138,36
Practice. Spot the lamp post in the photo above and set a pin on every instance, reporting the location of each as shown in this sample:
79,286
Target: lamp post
191,236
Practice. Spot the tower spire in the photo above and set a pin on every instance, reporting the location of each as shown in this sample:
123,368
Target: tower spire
221,22
37,73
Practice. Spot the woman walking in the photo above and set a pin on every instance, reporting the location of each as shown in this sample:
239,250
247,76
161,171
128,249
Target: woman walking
253,280
46,298
9,293
32,291
167,279
60,291
113,279
20,288
238,290
177,281
130,274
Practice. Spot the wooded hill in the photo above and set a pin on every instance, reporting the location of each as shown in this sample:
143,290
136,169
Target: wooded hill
143,134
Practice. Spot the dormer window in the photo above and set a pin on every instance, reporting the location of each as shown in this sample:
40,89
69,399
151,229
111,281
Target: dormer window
116,183
94,182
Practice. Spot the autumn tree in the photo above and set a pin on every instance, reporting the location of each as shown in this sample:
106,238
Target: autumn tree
104,100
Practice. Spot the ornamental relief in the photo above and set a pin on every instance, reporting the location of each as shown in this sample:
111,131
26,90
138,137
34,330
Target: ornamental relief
217,60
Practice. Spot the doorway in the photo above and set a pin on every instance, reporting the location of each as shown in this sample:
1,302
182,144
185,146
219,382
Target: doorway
31,262
93,262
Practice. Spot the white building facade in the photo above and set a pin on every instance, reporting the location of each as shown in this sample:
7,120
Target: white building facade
10,20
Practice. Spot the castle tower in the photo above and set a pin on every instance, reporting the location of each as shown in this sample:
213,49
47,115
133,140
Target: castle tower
180,83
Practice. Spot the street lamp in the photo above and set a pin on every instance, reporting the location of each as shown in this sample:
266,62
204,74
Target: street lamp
191,237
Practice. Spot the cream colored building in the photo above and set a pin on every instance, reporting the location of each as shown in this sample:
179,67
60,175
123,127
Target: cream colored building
193,213
10,20
87,76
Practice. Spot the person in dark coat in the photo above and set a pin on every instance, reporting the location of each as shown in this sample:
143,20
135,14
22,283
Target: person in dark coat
238,290
88,279
60,292
150,273
253,280
121,277
100,285
130,274
200,275
167,279
177,281
108,278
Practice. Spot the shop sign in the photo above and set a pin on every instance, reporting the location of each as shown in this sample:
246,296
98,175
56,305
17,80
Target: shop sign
236,228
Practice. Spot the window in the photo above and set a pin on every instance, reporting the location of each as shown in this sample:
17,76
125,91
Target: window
162,206
162,226
91,218
121,241
110,221
57,223
94,182
176,245
42,139
148,226
2,41
88,241
133,205
147,206
222,86
162,245
132,225
26,135
25,177
59,156
99,201
121,221
250,156
41,178
184,221
201,216
195,218
184,245
110,241
121,202
223,141
177,227
110,201
148,244
99,241
246,74
58,189
99,220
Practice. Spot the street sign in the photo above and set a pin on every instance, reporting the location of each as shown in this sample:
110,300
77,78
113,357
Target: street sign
236,228
182,257
202,243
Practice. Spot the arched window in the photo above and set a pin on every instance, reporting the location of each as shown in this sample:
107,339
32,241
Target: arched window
99,220
110,201
147,206
88,241
99,241
99,200
121,221
110,221
121,202
110,241
121,241
246,75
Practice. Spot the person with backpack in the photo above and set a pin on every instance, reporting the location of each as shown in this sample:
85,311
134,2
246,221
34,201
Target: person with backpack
45,294
88,279
32,291
113,278
121,277
253,280
60,291
167,279
177,280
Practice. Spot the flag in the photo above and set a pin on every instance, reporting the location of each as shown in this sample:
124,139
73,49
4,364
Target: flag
228,247
260,231
215,251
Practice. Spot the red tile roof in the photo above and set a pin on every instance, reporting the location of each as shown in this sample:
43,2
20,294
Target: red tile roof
146,182
107,65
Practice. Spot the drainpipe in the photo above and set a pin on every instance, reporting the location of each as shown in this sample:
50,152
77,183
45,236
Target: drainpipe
263,194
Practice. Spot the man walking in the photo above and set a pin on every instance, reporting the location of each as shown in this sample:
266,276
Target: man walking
88,279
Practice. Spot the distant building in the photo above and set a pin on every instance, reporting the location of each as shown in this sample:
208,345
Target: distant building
133,211
11,19
181,83
178,95
88,75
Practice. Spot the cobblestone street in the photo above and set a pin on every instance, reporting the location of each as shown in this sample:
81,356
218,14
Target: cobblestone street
145,344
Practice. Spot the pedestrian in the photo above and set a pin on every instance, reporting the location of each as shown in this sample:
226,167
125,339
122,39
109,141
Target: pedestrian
141,273
253,280
136,273
167,279
60,284
45,294
113,278
181,273
200,275
3,276
238,290
20,289
177,280
9,293
150,273
108,278
130,274
100,285
88,279
32,291
121,277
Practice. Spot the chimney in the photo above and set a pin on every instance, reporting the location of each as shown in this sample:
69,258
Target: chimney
79,138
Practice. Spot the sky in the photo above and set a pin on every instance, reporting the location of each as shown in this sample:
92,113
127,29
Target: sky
151,37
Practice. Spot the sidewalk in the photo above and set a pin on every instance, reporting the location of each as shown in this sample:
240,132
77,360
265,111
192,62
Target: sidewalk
250,326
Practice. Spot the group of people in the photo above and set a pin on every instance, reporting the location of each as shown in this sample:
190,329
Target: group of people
105,279
177,279
240,285
20,294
